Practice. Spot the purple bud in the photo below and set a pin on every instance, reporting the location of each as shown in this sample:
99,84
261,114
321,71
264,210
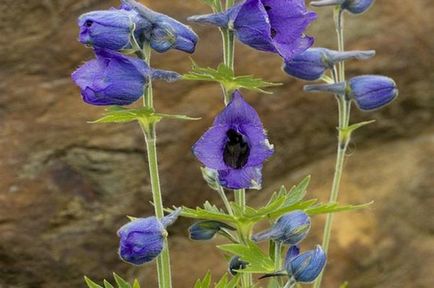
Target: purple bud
142,239
206,230
291,229
236,264
293,252
353,6
314,62
166,33
372,92
357,6
115,79
111,29
306,267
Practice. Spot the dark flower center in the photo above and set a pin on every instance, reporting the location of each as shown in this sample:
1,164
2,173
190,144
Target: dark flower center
236,151
267,8
88,23
273,32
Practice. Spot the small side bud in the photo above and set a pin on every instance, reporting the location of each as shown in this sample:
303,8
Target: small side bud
171,218
218,19
306,267
206,230
236,264
168,76
371,92
314,62
291,229
357,6
337,88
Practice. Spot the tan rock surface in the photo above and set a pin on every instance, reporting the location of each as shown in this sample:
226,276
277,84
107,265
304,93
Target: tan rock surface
66,185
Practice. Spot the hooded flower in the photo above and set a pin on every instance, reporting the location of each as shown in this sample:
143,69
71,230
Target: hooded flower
291,229
111,29
268,25
305,267
372,92
166,33
115,79
142,240
235,146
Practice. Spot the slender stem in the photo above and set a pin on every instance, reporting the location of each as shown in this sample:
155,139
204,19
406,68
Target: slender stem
149,131
222,194
343,138
240,198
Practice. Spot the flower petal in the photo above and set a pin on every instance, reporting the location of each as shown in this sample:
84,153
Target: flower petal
238,112
209,148
260,148
245,178
252,26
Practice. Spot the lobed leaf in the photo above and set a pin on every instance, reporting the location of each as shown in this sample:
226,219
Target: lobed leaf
225,76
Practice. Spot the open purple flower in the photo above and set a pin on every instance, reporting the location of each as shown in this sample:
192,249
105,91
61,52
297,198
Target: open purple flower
268,25
235,146
115,79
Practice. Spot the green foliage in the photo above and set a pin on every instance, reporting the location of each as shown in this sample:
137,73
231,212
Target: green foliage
224,282
258,261
346,132
225,76
117,114
344,285
121,283
281,202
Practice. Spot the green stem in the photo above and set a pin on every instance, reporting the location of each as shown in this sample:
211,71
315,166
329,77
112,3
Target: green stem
222,194
149,131
343,138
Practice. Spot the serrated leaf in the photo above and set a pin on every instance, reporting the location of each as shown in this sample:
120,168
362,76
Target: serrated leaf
298,192
90,283
107,284
258,261
117,114
225,76
206,214
121,282
346,132
332,207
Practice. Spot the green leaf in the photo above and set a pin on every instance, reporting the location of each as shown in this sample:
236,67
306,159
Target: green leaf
136,284
205,283
344,285
258,261
346,132
117,114
297,192
90,283
225,76
121,282
209,212
107,284
333,207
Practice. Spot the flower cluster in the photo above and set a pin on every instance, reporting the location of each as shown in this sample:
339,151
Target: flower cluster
114,78
291,229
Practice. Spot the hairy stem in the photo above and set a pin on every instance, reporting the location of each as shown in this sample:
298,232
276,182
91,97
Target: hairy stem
343,138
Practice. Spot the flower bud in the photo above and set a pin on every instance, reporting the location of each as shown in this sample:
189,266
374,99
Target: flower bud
353,6
115,79
335,88
166,33
206,230
293,252
291,229
142,239
306,267
372,92
111,29
236,264
314,62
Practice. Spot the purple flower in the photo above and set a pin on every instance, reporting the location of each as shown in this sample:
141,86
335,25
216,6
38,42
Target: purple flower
372,92
115,79
291,229
268,25
305,267
166,33
314,62
235,146
142,240
111,29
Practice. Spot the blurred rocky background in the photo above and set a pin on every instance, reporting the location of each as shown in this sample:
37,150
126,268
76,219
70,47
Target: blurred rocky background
66,185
